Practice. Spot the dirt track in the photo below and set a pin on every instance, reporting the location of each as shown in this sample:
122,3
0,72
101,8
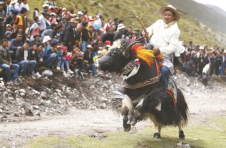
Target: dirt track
89,122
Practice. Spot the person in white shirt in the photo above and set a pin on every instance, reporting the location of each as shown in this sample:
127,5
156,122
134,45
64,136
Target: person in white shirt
165,36
25,5
18,5
205,73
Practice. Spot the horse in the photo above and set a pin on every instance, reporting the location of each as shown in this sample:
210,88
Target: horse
142,97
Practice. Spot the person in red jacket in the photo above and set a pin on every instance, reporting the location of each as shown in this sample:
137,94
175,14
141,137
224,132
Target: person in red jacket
66,60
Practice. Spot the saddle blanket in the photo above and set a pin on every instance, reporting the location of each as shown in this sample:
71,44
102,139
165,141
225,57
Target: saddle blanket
172,90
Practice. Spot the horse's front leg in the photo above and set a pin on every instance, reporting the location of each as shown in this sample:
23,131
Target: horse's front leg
125,113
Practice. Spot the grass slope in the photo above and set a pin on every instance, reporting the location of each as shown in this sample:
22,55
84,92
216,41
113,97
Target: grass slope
147,10
198,135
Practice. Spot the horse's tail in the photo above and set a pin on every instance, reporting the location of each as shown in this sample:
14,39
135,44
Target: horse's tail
182,106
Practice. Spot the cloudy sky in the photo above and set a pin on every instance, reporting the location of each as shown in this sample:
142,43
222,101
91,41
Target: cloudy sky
219,3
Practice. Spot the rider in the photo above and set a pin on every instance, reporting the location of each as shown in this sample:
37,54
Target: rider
165,36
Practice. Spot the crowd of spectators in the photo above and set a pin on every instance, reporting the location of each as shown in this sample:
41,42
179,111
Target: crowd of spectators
204,60
56,38
63,39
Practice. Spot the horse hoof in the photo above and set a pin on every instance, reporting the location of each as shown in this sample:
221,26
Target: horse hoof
128,128
157,135
133,121
181,135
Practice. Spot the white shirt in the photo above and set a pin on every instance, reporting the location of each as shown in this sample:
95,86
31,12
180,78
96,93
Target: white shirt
25,55
206,69
165,37
25,6
18,7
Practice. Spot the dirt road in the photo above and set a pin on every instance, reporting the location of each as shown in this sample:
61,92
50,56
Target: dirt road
88,122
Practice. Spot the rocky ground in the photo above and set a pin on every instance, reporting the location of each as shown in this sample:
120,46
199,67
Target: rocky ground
54,95
59,106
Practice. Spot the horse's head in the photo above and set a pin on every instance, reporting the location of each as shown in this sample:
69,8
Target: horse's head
116,58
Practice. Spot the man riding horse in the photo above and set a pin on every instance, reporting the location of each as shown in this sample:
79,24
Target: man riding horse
141,96
165,36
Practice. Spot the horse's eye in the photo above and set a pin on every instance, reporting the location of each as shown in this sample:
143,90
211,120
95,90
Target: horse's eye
114,52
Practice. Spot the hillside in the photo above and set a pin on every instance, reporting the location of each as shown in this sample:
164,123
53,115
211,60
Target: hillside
217,9
147,11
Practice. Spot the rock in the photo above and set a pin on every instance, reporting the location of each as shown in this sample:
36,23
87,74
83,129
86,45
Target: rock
182,145
37,113
5,94
22,94
43,94
16,91
36,92
103,106
58,90
22,91
28,112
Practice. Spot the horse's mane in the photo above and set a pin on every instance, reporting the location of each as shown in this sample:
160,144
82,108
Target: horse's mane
145,55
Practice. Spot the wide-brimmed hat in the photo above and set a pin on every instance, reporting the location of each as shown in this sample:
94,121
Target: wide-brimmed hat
46,39
53,13
45,11
170,7
8,25
201,47
13,1
80,13
121,26
77,18
89,46
64,9
1,3
73,20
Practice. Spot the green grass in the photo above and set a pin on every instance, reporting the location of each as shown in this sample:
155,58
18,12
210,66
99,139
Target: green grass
147,11
209,135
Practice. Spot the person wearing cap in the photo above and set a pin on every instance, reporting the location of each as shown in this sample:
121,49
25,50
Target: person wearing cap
11,18
36,39
11,7
6,63
51,57
2,18
165,36
119,33
46,41
52,18
88,59
27,66
70,35
9,32
80,14
43,20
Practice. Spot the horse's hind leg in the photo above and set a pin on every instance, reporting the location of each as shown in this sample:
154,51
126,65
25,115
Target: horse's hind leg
157,135
181,132
127,127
